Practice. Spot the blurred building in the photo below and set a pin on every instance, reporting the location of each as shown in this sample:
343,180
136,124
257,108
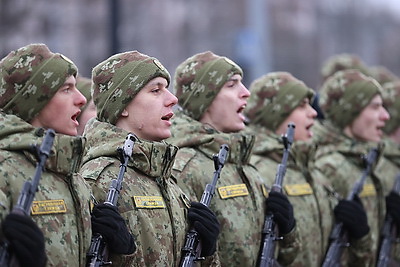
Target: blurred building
261,35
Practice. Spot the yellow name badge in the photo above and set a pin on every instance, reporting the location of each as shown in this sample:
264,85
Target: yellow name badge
237,190
48,207
368,190
148,202
298,189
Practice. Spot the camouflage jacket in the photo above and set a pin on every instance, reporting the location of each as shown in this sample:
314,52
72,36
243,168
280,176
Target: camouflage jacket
239,202
150,201
311,197
61,205
341,160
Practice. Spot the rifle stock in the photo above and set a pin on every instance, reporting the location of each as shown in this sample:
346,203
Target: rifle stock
338,237
98,250
29,189
270,231
192,248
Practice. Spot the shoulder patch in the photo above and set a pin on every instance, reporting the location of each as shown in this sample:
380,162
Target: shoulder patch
182,158
93,168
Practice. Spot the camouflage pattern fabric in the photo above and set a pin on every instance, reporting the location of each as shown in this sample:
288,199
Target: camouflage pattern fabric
312,197
343,61
239,202
273,97
29,78
151,202
340,159
345,94
391,101
382,75
119,78
199,79
61,208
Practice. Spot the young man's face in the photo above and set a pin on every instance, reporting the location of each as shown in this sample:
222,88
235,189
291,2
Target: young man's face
225,113
88,113
149,114
369,123
61,112
303,117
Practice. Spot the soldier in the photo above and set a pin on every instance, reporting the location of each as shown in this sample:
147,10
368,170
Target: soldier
355,116
130,91
212,99
278,98
35,85
88,111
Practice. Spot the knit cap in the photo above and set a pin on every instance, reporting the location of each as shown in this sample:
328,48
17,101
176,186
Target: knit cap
29,77
118,79
344,95
391,101
382,75
343,61
273,97
199,79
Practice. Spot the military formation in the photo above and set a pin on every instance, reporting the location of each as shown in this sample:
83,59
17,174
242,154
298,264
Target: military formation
114,169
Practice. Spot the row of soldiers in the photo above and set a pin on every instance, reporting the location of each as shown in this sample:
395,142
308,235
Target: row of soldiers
176,137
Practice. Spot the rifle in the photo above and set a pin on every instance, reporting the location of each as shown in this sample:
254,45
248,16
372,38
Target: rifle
389,233
29,189
270,231
192,249
338,237
98,250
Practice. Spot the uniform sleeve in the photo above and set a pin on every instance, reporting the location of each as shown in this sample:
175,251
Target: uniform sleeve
289,247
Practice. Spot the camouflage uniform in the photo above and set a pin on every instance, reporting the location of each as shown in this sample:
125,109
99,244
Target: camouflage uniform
154,207
340,157
61,205
152,204
239,202
274,96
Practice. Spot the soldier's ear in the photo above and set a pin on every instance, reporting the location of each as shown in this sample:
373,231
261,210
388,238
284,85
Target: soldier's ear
124,113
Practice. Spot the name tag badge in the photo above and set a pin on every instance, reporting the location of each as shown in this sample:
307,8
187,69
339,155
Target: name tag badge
48,207
298,189
230,191
149,202
368,190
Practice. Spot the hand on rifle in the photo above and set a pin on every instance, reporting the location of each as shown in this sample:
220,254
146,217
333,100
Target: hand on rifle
107,222
282,209
26,240
206,224
393,206
353,216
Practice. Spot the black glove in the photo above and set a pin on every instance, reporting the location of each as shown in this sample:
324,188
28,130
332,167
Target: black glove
26,240
393,206
279,205
107,222
206,224
352,214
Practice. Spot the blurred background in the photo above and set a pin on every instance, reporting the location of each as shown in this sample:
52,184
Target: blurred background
260,35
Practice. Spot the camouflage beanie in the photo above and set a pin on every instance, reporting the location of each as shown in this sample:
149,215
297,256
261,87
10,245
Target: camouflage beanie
382,75
30,77
199,79
118,79
273,97
344,95
343,62
84,86
391,101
